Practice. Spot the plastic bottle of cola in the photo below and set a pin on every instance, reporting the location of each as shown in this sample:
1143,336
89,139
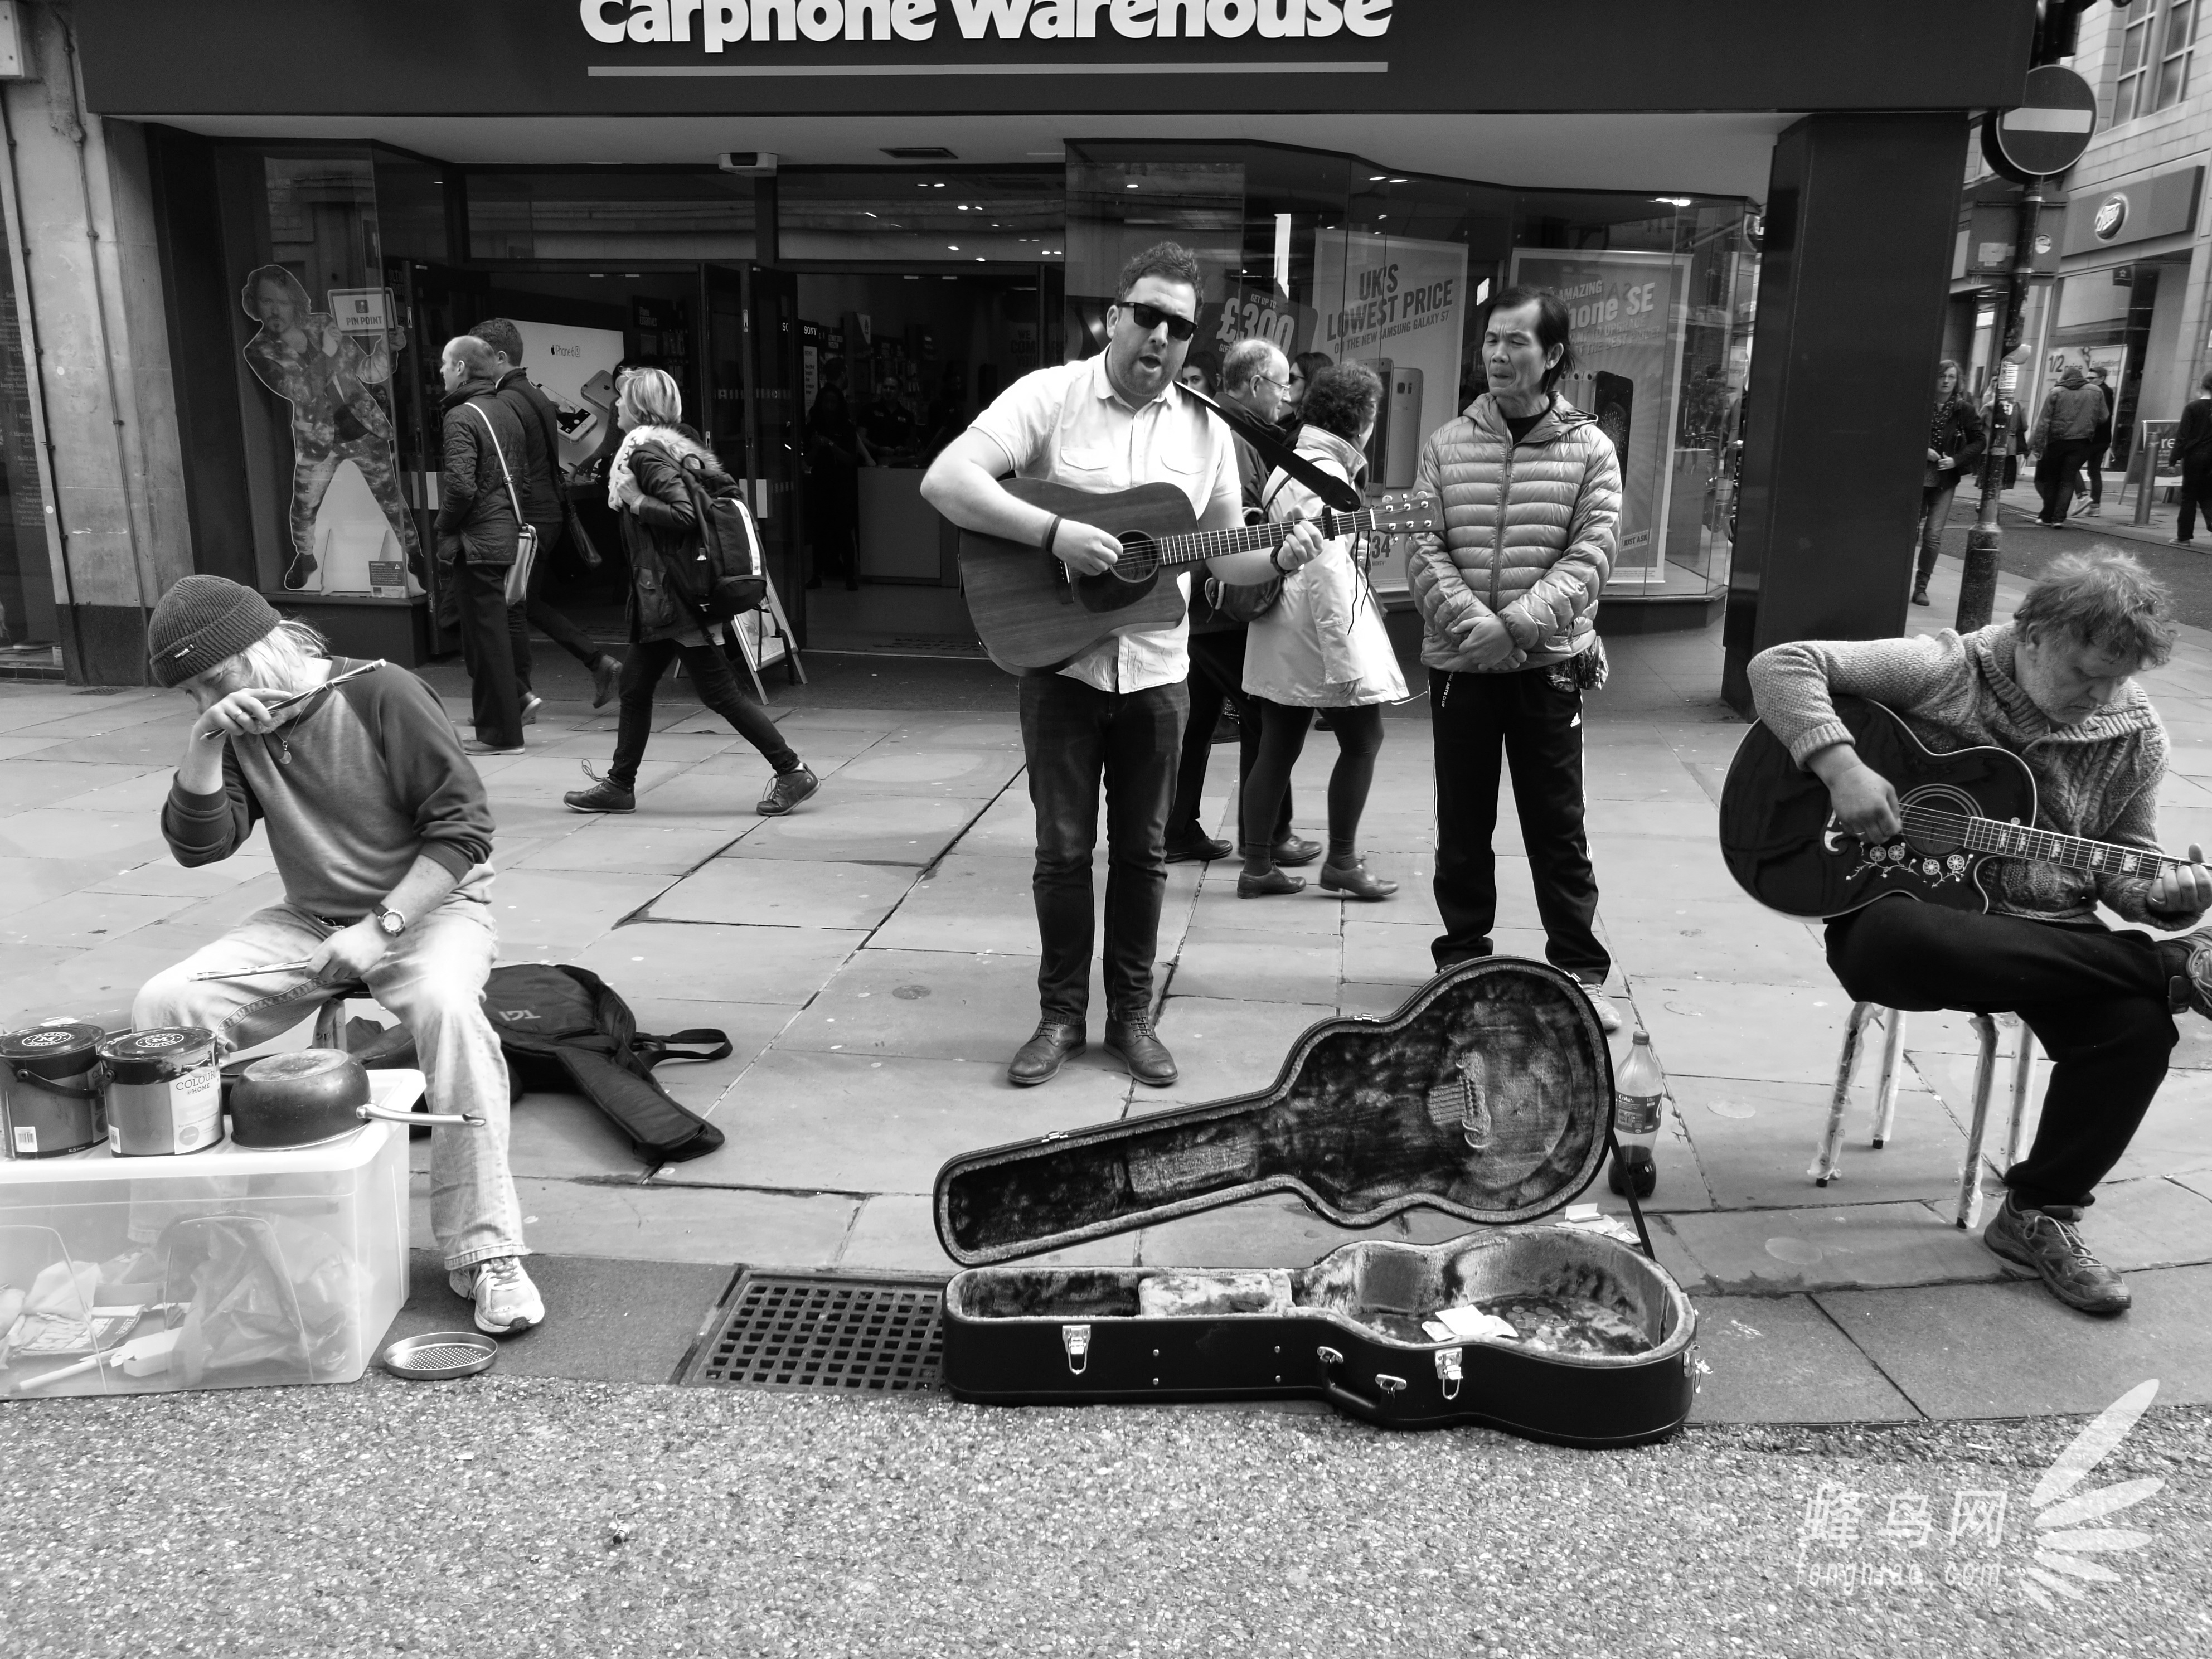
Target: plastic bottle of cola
1640,1092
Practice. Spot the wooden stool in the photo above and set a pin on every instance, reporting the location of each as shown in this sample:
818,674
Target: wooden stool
1827,1162
330,1017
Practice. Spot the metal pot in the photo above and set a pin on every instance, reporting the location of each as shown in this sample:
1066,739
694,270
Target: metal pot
309,1096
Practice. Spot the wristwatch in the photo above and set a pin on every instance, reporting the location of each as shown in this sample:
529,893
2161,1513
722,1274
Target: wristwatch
389,921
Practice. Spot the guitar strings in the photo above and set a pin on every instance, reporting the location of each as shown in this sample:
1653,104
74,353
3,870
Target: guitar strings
2045,844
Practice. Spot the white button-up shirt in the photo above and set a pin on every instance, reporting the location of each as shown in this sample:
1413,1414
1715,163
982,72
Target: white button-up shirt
1069,425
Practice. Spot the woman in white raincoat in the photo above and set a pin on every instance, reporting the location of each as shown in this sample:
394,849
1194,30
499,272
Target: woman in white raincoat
1321,646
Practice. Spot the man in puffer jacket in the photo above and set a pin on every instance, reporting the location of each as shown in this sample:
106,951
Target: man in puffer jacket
1531,493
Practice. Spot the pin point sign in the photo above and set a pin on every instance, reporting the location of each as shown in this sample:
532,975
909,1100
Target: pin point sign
2046,133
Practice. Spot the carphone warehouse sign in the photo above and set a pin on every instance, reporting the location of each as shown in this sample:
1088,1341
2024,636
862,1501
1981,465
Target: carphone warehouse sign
716,25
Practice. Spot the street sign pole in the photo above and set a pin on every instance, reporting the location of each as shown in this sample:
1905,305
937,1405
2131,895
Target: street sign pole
1978,591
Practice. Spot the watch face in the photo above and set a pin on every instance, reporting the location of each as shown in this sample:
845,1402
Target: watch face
392,922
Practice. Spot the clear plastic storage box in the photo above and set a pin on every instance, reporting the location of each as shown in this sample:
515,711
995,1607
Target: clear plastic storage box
221,1269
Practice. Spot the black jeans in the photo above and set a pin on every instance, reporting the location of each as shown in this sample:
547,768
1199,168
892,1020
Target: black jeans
2058,475
1216,676
2196,497
717,686
543,617
2096,1000
1283,737
480,609
1074,735
1539,728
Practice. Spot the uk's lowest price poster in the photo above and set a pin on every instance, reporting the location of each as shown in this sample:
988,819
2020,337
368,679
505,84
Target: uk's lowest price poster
1628,349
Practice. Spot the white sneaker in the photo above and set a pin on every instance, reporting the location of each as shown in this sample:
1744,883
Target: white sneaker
507,1302
1608,1017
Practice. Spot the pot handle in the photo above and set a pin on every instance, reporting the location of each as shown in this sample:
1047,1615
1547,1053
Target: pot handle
463,1120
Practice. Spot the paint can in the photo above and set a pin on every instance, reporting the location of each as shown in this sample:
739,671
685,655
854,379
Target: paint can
50,1099
164,1093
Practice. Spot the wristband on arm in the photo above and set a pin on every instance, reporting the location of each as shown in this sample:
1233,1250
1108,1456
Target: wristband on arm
1051,533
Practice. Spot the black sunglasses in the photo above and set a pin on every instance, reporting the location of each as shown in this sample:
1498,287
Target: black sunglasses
1151,317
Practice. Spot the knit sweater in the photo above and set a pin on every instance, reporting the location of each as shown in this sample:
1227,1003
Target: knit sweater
368,777
2098,779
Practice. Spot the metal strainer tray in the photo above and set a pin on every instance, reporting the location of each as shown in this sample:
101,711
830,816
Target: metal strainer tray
439,1356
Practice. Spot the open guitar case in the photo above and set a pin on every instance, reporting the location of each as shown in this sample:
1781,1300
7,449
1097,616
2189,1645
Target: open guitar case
1488,1096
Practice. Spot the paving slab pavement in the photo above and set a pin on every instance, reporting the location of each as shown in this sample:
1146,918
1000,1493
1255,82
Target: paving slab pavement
873,957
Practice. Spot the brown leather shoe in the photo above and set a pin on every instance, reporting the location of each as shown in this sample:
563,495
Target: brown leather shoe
1039,1059
1131,1040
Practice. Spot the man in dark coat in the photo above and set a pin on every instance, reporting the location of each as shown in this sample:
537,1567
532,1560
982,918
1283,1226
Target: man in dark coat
479,532
540,477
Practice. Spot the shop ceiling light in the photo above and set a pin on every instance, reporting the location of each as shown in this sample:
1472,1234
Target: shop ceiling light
1398,181
1673,201
1374,178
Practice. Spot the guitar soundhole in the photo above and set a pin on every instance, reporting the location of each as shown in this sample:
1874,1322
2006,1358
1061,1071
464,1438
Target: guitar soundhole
1140,559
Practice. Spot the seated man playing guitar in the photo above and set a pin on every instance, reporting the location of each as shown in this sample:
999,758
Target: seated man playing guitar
2053,686
1106,424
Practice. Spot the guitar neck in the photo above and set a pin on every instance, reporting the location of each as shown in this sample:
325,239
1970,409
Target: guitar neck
2016,841
1200,545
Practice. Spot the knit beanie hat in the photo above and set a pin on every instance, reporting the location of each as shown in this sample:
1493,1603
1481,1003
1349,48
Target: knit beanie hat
200,621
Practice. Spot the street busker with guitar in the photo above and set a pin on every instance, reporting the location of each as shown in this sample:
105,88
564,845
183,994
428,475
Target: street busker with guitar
2055,688
1116,710
654,485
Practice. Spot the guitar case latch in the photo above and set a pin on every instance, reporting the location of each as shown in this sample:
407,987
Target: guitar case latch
1449,1372
1076,1340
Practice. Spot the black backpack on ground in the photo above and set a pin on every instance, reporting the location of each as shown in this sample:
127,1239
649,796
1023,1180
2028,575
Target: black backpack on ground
728,575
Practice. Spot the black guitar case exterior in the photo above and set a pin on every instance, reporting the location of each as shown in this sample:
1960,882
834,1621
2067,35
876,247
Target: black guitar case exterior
1488,1096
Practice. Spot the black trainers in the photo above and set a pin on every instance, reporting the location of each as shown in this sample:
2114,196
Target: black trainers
2048,1243
788,789
604,796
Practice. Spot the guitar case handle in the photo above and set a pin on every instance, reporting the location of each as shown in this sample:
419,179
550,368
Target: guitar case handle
1351,1402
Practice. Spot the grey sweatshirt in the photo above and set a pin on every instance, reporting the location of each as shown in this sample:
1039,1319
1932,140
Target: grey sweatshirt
2098,779
374,777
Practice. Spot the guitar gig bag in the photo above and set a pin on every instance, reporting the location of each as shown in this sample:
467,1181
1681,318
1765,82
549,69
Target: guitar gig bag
1488,1096
563,1028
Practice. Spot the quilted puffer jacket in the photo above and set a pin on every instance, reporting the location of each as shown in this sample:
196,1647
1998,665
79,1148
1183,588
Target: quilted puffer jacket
1528,534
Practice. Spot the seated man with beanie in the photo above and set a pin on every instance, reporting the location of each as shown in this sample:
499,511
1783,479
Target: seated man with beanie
2055,687
382,835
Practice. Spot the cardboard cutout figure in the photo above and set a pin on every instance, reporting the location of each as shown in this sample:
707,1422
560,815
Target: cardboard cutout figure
325,373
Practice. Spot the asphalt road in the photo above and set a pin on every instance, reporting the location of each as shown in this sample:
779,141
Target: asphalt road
2024,548
498,1517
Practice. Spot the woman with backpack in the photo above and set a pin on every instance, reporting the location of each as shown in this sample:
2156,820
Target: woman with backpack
661,534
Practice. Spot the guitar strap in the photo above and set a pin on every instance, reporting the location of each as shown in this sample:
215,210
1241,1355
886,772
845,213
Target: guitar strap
1272,450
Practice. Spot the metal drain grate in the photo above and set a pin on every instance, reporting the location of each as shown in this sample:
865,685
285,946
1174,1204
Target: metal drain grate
824,1331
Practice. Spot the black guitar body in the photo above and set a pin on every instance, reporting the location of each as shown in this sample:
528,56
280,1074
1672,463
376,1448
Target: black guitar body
1781,843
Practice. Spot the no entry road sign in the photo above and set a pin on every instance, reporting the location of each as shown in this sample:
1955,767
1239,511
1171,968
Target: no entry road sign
2047,133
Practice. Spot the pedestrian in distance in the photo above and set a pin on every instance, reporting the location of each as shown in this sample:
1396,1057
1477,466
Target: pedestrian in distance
549,513
1321,646
833,481
1530,490
1201,372
661,534
2193,449
1254,378
480,535
382,839
1955,444
2064,434
2101,440
2006,429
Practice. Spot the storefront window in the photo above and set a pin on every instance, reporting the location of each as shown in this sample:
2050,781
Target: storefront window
1332,255
609,213
27,620
915,215
318,334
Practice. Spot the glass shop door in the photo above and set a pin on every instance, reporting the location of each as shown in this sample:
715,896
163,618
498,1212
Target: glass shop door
758,425
437,302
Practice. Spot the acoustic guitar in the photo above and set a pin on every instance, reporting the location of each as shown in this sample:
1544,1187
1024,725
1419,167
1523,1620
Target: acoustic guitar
1035,616
1783,844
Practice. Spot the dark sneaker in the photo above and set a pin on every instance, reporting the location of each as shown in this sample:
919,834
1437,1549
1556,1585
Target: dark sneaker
2048,1243
606,680
1039,1059
1200,847
508,1303
787,791
602,797
1132,1040
1920,595
2191,988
